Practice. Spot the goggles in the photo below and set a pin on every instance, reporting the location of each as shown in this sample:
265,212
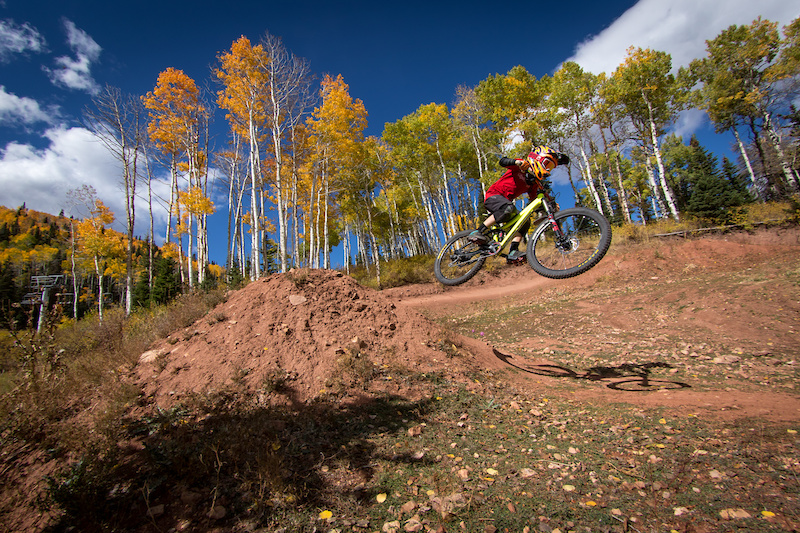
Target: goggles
548,162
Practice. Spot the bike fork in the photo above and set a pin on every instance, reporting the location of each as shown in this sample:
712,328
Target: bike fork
561,239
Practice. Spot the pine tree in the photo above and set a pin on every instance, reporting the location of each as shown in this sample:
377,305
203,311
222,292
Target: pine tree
8,294
737,179
166,282
271,264
141,291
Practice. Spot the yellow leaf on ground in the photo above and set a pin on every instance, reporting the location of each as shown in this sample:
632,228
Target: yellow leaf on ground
324,515
381,497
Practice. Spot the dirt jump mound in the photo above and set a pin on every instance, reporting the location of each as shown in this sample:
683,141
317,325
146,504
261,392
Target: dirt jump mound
299,336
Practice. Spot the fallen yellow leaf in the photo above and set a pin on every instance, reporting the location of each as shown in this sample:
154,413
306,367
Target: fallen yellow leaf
324,515
768,514
381,497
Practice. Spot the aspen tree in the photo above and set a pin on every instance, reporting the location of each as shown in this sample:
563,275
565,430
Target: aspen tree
745,77
652,99
178,120
337,126
288,79
116,120
102,248
244,89
573,93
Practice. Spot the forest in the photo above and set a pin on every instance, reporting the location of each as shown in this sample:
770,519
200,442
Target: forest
300,177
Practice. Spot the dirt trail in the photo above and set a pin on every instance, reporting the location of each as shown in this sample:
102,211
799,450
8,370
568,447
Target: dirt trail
720,296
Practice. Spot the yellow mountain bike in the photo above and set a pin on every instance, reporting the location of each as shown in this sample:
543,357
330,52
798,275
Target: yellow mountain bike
564,244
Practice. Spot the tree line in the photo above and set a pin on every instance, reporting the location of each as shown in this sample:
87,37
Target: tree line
296,165
297,155
84,263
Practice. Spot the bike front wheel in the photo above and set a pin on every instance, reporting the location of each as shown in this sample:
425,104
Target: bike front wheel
458,260
585,236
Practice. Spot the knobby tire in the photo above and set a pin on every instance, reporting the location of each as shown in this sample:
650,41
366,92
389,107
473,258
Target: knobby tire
459,260
587,236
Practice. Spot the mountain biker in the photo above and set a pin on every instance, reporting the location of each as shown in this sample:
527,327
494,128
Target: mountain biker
523,175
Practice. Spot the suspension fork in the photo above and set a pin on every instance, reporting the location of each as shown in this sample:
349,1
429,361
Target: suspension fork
551,217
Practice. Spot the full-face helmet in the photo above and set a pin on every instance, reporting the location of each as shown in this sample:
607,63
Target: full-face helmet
543,160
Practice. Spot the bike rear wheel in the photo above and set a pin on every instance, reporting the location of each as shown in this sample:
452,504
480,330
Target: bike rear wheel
458,260
586,236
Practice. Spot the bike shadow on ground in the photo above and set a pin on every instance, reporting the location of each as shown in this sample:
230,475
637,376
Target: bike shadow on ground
625,377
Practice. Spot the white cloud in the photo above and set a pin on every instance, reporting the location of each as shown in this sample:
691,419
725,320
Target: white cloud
679,27
81,43
41,178
15,109
16,39
689,122
75,73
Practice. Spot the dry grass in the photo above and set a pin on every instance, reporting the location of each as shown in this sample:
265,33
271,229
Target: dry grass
53,375
746,217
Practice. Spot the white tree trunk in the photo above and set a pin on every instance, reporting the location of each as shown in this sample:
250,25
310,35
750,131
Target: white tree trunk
662,177
255,223
589,179
659,210
747,163
791,180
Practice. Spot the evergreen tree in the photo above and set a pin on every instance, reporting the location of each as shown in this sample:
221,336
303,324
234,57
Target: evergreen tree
8,294
166,280
713,199
210,281
737,179
141,291
678,159
36,236
235,278
270,255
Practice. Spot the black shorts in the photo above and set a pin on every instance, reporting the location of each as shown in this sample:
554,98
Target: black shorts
503,210
501,207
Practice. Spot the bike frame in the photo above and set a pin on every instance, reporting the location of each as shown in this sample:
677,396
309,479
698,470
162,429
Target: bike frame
513,226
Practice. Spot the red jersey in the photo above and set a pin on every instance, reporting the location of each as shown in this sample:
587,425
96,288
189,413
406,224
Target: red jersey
512,184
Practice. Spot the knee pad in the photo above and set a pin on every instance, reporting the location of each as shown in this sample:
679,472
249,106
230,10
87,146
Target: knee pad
506,214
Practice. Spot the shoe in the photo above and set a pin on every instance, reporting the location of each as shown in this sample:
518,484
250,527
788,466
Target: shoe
477,237
515,257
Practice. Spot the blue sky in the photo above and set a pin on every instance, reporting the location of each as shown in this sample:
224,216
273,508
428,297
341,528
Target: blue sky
395,57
